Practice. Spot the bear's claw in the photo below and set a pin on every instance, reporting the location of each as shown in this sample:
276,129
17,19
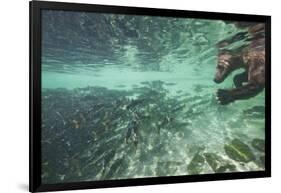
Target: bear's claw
224,96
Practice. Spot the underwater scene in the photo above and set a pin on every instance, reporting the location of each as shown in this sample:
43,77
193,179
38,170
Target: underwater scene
127,96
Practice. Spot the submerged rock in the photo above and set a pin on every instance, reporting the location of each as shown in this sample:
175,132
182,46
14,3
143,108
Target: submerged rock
167,168
255,109
239,151
218,164
256,112
258,144
114,169
225,168
262,159
196,164
213,160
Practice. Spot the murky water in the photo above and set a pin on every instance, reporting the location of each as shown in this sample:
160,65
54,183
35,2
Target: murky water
133,96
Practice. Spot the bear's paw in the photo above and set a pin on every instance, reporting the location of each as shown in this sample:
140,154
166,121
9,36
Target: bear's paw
224,96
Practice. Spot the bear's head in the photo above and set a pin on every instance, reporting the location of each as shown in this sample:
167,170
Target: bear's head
226,64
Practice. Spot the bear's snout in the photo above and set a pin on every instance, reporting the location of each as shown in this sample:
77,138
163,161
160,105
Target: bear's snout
216,80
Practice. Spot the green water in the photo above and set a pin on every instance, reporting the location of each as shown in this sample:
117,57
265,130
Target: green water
133,96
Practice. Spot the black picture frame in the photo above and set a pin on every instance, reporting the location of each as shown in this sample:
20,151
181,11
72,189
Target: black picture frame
35,184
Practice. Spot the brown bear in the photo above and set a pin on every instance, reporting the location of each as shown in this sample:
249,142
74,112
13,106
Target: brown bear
251,58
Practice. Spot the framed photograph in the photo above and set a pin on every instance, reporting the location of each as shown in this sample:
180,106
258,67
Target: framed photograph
125,96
